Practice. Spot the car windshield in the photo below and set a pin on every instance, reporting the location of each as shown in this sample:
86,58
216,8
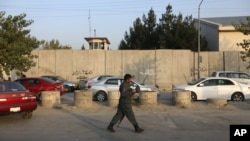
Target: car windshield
196,81
49,80
104,76
11,86
94,77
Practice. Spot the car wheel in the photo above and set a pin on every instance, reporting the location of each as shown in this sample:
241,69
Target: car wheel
101,96
39,97
27,115
237,97
193,96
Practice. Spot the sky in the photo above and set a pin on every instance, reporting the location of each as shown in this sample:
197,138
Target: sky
70,21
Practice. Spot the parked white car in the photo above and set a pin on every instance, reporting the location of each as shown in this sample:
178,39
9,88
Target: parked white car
216,87
241,77
101,88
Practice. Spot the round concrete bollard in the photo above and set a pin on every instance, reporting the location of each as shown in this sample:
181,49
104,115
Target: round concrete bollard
148,98
83,98
50,99
219,102
181,98
113,98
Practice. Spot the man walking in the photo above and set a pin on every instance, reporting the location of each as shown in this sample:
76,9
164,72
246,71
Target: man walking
124,106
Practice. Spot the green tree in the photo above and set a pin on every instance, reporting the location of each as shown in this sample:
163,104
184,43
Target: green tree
16,44
245,29
143,33
54,44
172,32
177,32
150,31
134,38
164,29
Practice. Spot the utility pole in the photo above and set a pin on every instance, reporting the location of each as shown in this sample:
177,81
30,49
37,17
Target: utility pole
199,44
89,24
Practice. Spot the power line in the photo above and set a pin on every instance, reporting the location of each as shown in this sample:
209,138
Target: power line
113,8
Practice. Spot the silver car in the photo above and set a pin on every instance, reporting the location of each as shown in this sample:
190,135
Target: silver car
85,84
241,77
101,88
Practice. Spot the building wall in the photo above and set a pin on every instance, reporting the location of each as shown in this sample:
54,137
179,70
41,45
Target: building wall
220,37
210,31
164,68
228,40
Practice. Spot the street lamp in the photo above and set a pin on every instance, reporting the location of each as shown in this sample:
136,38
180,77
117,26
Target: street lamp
199,44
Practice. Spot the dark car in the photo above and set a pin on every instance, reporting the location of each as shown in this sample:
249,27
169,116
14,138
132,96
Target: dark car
39,84
68,85
14,98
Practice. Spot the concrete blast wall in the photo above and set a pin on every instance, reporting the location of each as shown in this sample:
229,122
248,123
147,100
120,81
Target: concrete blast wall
164,68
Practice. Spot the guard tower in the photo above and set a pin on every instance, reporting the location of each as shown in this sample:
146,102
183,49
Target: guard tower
98,43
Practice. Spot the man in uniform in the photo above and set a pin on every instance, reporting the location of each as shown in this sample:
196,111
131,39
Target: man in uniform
124,106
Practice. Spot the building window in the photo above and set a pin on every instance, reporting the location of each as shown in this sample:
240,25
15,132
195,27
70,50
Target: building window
95,45
101,45
90,45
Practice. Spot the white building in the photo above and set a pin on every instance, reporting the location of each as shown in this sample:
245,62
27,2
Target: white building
98,43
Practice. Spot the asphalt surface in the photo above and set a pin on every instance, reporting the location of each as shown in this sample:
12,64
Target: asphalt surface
162,122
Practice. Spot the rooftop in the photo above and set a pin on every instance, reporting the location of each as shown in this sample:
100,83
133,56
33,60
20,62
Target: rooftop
225,21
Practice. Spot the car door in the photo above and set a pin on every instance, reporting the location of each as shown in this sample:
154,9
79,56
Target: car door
244,77
112,84
34,85
207,89
226,88
234,76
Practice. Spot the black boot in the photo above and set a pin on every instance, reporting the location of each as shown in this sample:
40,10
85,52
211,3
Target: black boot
138,129
111,127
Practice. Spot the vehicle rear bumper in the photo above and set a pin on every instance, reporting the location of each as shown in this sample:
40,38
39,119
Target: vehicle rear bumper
22,107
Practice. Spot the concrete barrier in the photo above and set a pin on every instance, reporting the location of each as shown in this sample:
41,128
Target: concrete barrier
181,98
148,98
83,98
219,102
50,99
113,98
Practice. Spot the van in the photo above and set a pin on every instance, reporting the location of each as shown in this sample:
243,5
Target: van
241,77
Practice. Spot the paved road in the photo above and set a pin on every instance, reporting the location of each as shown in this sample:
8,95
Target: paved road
161,122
